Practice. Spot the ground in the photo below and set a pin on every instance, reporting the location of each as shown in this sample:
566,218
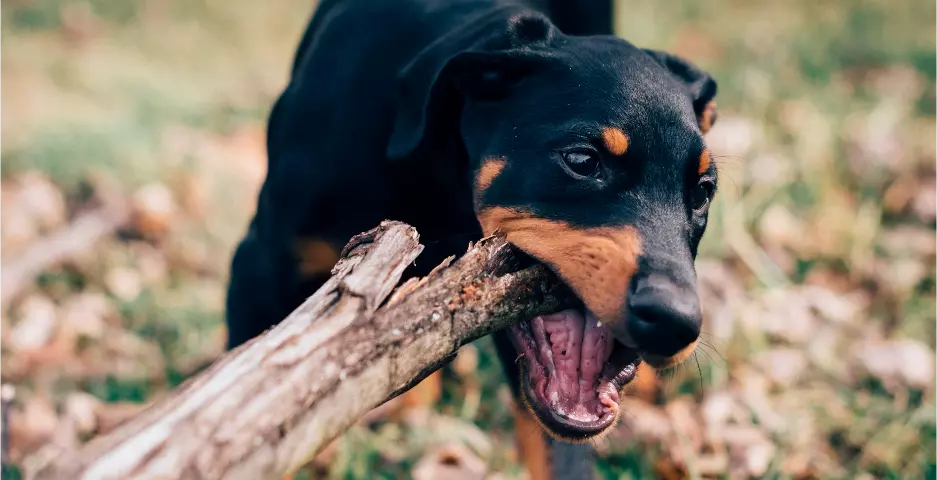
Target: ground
818,269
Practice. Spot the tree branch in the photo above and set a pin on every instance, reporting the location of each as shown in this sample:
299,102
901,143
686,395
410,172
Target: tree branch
266,408
69,241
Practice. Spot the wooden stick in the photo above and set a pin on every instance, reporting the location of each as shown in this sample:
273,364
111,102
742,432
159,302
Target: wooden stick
75,238
267,408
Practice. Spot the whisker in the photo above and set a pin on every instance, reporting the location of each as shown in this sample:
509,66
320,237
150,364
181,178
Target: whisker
623,413
713,338
712,360
714,350
700,369
668,377
725,167
704,352
709,344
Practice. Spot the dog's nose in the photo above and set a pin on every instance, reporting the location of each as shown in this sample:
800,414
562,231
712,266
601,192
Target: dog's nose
663,318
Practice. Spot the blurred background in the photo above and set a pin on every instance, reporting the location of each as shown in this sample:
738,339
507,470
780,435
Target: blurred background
133,148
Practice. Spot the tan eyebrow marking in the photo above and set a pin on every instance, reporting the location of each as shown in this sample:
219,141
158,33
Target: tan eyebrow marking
491,168
615,141
708,118
705,160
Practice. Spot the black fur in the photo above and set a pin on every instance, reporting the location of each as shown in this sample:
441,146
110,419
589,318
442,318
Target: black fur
392,106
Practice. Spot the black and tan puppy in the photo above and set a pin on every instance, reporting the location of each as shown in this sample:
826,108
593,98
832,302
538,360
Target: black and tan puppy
463,117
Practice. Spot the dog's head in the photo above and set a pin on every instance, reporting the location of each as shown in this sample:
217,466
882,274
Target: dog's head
588,153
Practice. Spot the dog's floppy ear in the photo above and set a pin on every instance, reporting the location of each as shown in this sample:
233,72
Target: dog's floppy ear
481,60
700,86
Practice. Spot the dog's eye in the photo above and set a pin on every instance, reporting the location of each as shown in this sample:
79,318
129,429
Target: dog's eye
582,163
702,193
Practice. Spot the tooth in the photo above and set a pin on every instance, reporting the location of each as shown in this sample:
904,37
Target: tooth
552,394
608,397
596,350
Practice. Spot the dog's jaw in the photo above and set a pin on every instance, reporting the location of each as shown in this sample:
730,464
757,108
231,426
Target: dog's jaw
572,372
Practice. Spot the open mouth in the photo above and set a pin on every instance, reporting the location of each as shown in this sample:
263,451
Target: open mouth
572,371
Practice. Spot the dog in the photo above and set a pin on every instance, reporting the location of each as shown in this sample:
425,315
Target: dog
467,117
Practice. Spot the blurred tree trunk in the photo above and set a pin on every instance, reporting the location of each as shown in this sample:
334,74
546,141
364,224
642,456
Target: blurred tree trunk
266,408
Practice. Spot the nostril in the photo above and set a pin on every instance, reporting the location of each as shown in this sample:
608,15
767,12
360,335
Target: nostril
662,323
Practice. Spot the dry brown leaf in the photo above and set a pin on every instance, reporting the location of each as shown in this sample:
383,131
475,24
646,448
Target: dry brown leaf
153,210
83,409
782,366
641,422
750,450
124,283
465,364
712,465
79,23
688,438
733,136
665,468
36,324
44,201
910,240
895,363
875,148
31,205
780,228
32,424
151,262
718,409
924,202
781,314
86,314
450,462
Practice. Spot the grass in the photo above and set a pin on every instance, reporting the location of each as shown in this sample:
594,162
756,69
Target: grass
826,118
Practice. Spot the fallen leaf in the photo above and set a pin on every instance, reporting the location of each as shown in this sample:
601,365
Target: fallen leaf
781,314
732,136
910,240
782,366
450,462
36,324
83,409
895,363
718,409
86,314
44,201
31,425
465,364
643,422
153,210
750,450
124,283
779,228
924,203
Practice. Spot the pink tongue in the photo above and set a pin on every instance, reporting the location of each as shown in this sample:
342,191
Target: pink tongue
574,356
